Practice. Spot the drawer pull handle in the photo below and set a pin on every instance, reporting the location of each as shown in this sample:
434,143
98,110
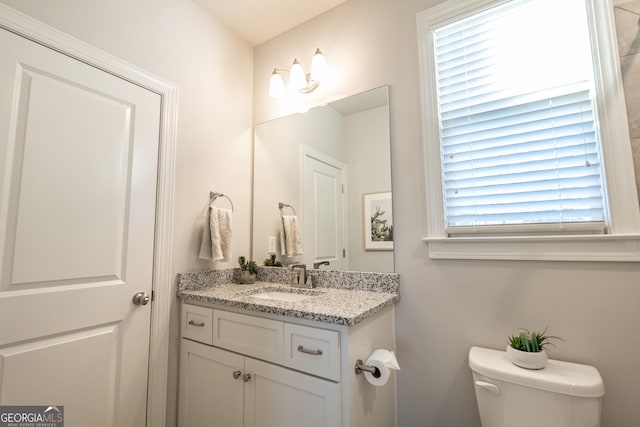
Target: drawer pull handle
317,352
236,374
246,378
194,323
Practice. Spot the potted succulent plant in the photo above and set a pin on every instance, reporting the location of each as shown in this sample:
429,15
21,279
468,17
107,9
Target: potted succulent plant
527,348
272,261
248,270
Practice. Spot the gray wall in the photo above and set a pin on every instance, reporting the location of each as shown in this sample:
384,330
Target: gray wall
449,306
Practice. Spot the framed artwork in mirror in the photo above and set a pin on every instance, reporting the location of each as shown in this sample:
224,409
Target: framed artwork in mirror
378,221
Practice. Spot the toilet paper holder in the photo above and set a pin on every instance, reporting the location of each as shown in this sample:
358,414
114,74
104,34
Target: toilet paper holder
360,367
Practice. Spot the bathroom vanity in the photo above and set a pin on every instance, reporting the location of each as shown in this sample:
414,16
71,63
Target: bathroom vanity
271,355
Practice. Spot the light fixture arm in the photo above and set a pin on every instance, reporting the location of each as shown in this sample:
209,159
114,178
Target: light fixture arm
311,84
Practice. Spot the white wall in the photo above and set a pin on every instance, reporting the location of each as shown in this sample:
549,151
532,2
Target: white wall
179,42
367,149
448,306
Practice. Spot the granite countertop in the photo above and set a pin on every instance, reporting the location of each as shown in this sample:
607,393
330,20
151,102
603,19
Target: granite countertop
327,304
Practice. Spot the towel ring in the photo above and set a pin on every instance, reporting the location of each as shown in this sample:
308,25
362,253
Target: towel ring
214,195
285,205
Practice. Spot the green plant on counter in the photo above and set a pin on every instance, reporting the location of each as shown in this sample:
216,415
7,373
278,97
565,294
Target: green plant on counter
249,266
531,341
272,262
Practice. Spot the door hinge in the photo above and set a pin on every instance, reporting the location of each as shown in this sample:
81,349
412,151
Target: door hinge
344,253
153,296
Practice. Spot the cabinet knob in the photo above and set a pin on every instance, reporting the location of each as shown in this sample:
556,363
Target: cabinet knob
236,374
246,377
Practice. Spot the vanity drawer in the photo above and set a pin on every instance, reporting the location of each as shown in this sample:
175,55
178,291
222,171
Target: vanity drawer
312,350
253,336
196,323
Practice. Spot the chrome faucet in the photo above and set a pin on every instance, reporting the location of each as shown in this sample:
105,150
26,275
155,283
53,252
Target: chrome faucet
317,264
297,275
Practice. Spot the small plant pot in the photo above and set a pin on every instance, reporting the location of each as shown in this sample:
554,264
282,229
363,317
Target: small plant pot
527,360
247,278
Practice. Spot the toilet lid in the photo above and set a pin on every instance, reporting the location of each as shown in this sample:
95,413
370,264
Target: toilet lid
572,379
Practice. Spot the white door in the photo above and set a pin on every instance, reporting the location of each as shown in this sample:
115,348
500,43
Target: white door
279,397
323,204
78,165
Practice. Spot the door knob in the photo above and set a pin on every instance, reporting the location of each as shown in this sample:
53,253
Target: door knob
246,377
141,298
236,374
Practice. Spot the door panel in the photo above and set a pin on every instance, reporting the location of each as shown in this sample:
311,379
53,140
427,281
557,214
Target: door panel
323,237
48,219
210,395
277,397
79,153
25,365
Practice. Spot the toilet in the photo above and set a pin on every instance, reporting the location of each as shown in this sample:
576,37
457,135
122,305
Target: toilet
562,394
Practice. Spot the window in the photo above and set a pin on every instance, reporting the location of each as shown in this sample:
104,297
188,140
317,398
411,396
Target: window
520,133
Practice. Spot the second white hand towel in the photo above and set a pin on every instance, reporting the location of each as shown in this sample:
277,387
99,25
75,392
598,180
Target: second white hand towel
290,237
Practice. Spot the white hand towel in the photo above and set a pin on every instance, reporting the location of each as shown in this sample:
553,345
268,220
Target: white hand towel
290,237
220,223
216,235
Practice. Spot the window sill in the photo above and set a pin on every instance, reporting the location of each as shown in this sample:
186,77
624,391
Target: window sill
606,248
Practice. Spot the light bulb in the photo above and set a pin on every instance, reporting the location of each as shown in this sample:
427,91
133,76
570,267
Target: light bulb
318,66
297,77
276,85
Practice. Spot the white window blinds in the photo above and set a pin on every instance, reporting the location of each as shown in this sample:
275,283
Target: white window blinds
518,128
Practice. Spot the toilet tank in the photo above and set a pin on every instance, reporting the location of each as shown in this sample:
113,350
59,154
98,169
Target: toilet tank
561,395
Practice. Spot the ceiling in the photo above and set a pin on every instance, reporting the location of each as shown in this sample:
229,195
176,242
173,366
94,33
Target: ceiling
257,21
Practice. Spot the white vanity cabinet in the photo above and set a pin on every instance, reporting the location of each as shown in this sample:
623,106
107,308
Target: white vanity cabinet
222,388
226,388
238,369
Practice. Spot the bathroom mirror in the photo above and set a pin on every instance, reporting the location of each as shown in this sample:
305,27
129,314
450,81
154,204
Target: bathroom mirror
331,168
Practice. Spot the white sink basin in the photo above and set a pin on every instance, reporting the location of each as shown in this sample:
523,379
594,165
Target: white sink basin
281,296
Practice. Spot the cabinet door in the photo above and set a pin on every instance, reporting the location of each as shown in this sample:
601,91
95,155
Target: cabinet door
209,394
279,397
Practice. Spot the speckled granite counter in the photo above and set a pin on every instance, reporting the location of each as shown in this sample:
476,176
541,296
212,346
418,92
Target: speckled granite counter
327,304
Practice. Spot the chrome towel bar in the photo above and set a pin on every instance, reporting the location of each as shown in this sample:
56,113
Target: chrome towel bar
286,205
214,195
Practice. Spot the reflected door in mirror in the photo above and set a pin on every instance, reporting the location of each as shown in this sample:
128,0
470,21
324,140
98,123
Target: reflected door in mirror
323,210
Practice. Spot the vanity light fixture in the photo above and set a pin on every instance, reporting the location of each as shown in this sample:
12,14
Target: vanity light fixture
298,79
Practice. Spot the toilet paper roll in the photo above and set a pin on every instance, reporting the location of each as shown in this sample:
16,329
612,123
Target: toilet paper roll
384,360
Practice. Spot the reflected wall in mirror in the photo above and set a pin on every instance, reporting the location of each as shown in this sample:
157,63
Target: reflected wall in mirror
321,163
